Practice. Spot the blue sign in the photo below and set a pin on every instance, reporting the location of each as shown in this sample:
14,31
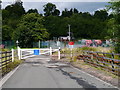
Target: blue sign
36,52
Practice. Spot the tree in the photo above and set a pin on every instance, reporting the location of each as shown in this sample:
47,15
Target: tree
30,29
115,6
0,4
5,14
102,15
15,10
32,11
6,32
68,13
75,10
50,9
65,13
56,12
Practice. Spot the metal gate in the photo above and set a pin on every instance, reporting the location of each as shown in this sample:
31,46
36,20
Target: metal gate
26,53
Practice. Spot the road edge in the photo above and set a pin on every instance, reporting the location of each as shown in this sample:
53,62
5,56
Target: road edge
94,77
7,76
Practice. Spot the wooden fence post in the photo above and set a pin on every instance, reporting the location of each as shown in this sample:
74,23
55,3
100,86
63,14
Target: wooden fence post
59,53
12,55
112,62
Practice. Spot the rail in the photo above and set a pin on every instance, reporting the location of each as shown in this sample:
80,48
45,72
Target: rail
108,61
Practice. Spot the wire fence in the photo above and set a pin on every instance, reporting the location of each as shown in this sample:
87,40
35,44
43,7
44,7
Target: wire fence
62,44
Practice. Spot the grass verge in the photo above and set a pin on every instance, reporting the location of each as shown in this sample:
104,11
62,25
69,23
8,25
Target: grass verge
11,66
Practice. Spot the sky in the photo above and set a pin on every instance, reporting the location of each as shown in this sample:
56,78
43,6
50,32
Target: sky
86,6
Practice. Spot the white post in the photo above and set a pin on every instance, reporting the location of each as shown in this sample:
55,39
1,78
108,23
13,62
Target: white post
39,43
59,53
71,52
69,32
12,55
50,51
19,53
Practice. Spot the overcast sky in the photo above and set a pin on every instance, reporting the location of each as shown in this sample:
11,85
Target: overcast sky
81,6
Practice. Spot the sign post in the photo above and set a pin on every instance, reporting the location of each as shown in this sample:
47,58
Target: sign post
71,44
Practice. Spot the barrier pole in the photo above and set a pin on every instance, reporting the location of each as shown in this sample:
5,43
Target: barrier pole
50,51
12,55
59,53
19,53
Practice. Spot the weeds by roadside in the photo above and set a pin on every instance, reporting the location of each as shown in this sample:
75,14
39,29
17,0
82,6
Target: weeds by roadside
10,66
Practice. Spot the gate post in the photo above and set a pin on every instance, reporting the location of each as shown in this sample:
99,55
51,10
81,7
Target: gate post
12,55
50,51
19,56
59,53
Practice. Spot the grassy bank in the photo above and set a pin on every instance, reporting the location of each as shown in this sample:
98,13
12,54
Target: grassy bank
10,66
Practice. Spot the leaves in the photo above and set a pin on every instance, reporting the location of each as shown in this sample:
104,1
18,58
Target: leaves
50,9
30,29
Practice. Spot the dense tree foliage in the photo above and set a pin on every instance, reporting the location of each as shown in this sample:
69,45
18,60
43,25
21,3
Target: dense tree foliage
10,18
50,9
83,25
32,26
32,11
15,10
30,29
115,6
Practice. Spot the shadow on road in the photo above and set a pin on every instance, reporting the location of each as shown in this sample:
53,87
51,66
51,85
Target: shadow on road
81,82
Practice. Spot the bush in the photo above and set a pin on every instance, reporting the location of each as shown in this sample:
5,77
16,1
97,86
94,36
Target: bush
88,49
5,49
117,48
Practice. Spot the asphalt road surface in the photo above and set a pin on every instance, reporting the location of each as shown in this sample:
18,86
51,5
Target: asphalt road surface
41,72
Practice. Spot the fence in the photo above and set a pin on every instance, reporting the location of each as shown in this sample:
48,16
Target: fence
108,61
9,44
6,58
56,44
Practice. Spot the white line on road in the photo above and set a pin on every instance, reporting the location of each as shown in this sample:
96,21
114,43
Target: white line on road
6,77
95,77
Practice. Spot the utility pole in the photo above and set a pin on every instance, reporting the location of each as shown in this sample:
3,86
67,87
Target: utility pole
69,32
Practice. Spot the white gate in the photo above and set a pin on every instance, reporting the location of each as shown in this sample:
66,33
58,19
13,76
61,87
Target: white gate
25,53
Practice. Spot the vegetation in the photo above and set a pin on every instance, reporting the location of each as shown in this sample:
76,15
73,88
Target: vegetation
28,26
115,28
11,66
30,29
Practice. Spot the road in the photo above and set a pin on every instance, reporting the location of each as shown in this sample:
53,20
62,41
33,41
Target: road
41,72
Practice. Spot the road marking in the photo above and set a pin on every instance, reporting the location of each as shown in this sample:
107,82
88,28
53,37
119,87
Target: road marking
95,77
6,77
